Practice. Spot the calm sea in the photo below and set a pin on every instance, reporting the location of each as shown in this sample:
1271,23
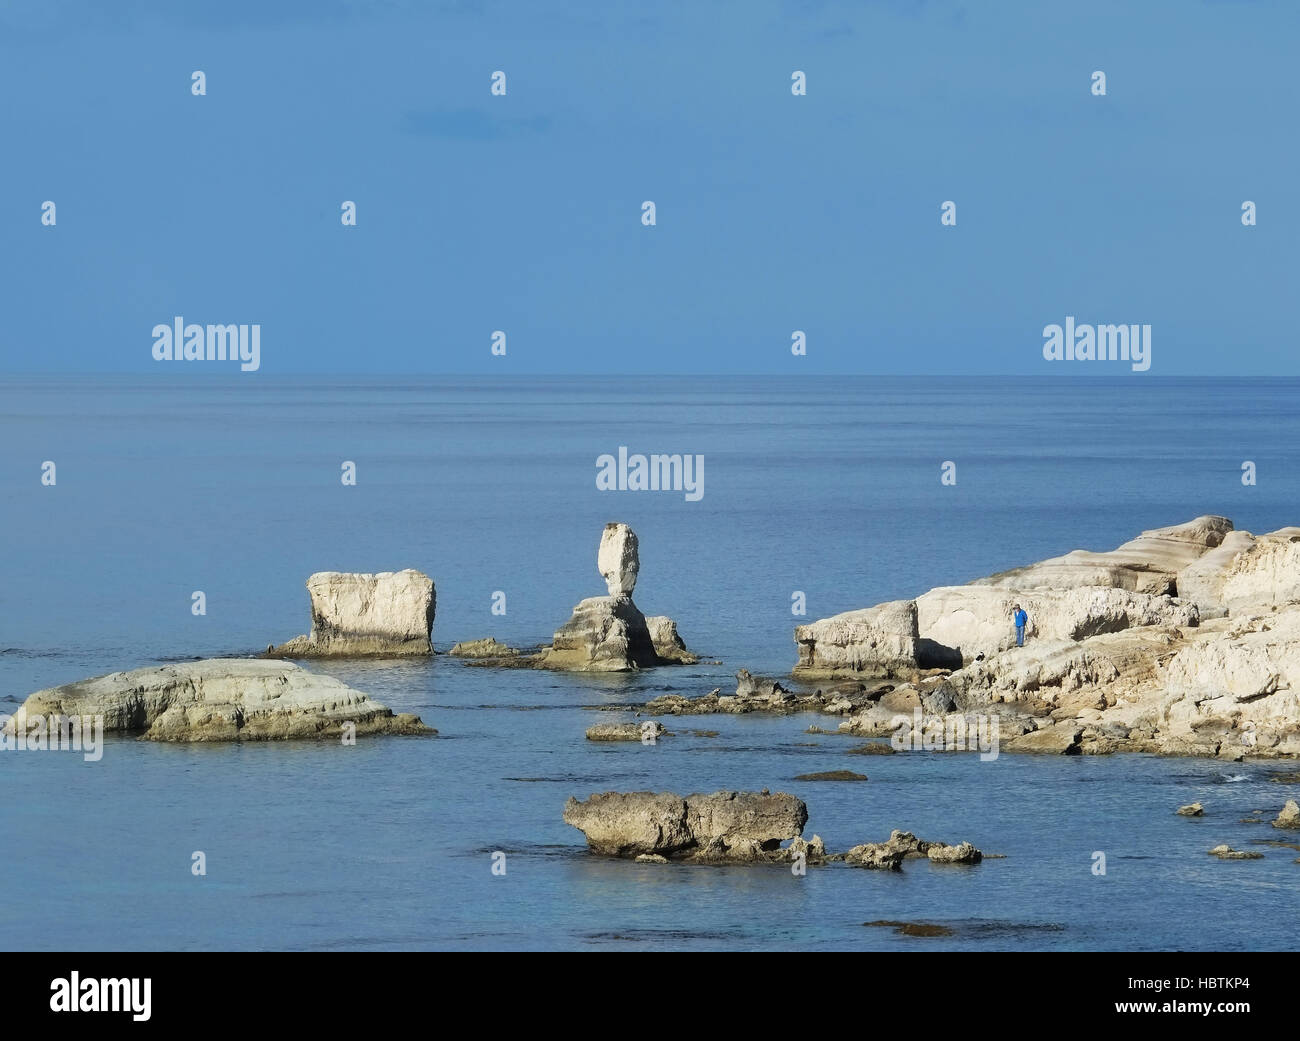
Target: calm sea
829,487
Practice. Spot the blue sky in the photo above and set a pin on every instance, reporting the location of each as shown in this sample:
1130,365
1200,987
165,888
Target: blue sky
775,212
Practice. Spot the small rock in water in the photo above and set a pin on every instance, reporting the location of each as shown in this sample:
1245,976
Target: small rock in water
832,775
1226,852
625,731
1289,817
1192,809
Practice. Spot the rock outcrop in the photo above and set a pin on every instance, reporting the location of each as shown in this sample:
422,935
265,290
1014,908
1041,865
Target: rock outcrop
488,648
732,828
646,731
352,615
617,559
609,633
1184,641
718,827
902,845
1290,815
878,641
1226,852
220,699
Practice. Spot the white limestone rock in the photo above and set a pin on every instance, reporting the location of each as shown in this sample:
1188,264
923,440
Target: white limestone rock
220,699
617,559
361,615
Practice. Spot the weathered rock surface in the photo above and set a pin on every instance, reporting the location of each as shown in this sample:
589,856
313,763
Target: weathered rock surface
488,648
625,731
1184,641
669,647
1147,564
617,559
879,641
1192,809
609,633
902,845
353,615
1226,852
724,825
1290,815
605,634
220,699
732,828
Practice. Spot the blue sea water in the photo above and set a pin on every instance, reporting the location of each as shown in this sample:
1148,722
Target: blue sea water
829,487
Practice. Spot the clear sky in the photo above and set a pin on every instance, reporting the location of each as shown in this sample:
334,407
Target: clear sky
523,212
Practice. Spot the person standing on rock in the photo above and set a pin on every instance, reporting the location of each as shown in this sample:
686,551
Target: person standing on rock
1022,619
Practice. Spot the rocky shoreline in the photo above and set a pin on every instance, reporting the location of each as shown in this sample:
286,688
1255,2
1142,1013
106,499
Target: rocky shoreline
1182,641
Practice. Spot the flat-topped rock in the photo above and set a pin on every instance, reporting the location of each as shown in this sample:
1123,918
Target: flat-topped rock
739,825
878,641
361,615
220,699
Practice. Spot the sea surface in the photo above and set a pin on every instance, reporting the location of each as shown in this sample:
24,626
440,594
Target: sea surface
826,487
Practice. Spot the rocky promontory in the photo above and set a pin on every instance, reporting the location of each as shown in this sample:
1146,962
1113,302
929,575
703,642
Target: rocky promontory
220,699
1185,640
366,616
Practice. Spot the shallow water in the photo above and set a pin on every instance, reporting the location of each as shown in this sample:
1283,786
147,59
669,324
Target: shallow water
827,487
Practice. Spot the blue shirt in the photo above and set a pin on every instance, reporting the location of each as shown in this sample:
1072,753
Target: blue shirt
1021,619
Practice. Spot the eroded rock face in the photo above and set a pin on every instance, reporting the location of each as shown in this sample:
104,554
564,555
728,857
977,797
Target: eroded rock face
1264,577
1114,661
878,641
1290,815
641,732
1147,564
220,699
609,633
723,825
977,619
902,845
360,615
488,648
618,560
605,634
669,647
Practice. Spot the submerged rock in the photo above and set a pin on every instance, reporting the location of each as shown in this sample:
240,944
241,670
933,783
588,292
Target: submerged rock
625,731
221,699
1226,852
488,648
832,775
354,615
